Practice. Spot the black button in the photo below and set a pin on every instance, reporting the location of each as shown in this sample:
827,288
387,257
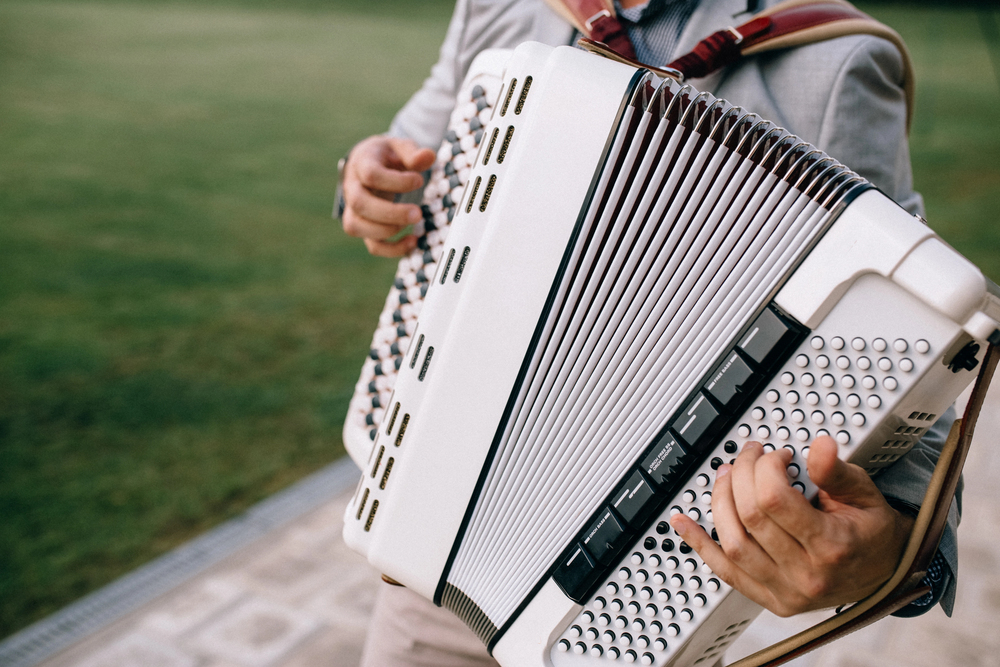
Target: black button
577,574
664,463
699,421
649,543
605,537
663,527
768,337
634,500
716,462
667,545
685,548
730,447
731,381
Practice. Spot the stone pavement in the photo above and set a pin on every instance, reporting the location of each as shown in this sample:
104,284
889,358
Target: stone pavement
299,598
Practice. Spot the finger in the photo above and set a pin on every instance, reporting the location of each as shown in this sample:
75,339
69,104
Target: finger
386,249
375,209
355,225
737,543
383,171
840,481
792,522
715,557
411,156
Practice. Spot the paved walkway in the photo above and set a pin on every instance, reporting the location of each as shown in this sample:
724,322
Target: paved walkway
299,598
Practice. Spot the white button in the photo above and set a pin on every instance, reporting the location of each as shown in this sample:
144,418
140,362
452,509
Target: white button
922,346
799,486
641,576
604,620
705,568
646,593
827,381
792,397
838,418
596,651
659,577
650,610
636,558
772,396
906,365
885,364
874,402
816,343
575,631
858,344
833,399
694,583
858,419
707,497
798,416
793,470
783,433
611,588
687,615
879,344
579,648
848,381
899,345
837,343
588,616
807,379
757,413
613,653
677,580
843,437
864,363
633,607
812,398
694,513
654,560
802,434
673,630
656,627
802,361
668,613
663,594
702,479
591,634
688,496
564,645
646,659
621,622
617,604
763,432
599,603
712,585
628,591
868,382
823,361
890,383
629,656
787,378
768,447
624,574
671,563
744,430
818,417
843,363
690,565
660,644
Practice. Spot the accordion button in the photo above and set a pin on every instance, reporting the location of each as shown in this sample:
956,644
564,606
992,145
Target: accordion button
885,364
621,623
900,345
650,610
777,414
673,630
848,381
799,486
617,605
879,345
858,419
694,513
689,496
802,435
591,634
890,383
802,361
807,379
763,432
563,645
629,656
702,479
671,563
687,615
744,430
690,565
624,574
694,583
858,344
677,580
613,653
837,343
772,396
579,648
787,378
864,363
922,346
798,416
823,361
812,398
636,558
792,397
646,593
906,365
838,419
642,641
659,578
833,399
647,659
816,343
868,382
843,437
827,381
713,585
699,600
783,433
793,470
757,413
611,588
843,363
634,607
656,627
706,497
660,644
654,559
641,576
874,402
768,447
600,603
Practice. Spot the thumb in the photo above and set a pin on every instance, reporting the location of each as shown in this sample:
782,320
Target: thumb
840,481
411,156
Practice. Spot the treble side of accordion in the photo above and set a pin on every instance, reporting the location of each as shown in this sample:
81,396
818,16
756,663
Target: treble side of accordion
637,278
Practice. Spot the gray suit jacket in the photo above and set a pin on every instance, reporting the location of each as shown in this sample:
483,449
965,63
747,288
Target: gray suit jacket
844,96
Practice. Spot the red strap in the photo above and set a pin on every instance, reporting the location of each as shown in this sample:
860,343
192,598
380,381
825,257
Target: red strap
596,20
727,46
610,31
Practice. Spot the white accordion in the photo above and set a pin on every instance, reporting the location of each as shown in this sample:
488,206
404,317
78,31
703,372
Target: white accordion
636,279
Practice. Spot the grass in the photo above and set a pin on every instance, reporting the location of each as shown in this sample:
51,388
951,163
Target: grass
181,324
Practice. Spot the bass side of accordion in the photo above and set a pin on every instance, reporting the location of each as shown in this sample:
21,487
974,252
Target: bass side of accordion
638,277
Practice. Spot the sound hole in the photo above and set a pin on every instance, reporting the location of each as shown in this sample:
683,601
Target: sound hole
510,94
506,144
475,189
486,194
524,95
461,264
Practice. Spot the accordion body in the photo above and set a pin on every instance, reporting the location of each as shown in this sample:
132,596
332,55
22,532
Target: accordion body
637,279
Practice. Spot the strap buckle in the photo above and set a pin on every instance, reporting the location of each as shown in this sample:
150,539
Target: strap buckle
736,34
589,23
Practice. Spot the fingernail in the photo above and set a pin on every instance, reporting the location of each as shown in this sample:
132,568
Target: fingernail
414,216
680,527
749,445
722,471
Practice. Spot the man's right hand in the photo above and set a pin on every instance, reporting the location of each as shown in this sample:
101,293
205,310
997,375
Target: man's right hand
378,169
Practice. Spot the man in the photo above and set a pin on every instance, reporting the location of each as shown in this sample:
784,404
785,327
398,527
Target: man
844,96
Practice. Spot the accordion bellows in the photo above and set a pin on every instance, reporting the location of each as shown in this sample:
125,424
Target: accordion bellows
636,278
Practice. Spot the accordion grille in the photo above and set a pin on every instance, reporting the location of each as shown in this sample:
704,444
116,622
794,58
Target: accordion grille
699,214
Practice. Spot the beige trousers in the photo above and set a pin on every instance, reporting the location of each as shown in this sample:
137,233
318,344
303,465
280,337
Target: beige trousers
408,631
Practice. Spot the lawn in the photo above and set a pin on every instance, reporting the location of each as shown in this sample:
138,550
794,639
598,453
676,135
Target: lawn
181,323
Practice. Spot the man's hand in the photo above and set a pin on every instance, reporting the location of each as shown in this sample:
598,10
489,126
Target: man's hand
378,169
784,553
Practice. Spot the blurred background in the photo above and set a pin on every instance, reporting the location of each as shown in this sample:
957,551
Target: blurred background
181,322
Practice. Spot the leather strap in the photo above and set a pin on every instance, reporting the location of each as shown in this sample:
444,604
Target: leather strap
596,20
788,24
904,585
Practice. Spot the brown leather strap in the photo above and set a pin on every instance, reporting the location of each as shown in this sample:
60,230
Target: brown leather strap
787,24
904,585
596,20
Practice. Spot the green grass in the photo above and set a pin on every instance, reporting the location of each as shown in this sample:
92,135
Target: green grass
181,323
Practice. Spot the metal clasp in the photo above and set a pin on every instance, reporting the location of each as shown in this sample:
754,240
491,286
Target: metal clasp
589,23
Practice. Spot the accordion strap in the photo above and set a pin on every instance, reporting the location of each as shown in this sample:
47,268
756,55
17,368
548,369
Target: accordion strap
905,584
596,20
788,24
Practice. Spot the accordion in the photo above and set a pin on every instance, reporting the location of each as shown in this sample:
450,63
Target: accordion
619,281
